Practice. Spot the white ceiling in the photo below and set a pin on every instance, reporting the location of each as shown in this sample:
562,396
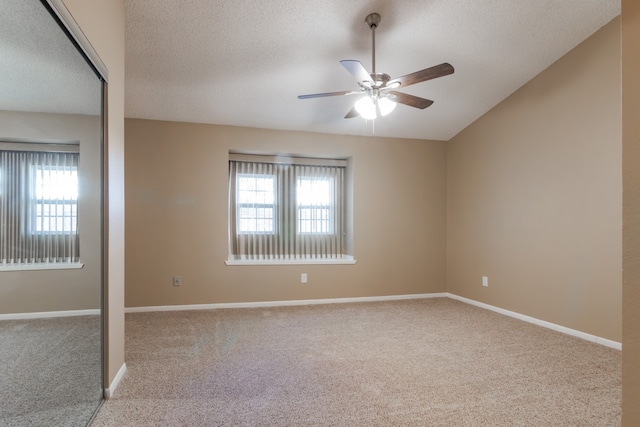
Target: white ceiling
243,62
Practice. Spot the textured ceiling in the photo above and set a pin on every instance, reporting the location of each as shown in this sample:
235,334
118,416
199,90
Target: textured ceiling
243,62
40,69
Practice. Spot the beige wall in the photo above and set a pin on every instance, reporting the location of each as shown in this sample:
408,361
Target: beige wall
61,290
534,195
631,212
176,216
102,21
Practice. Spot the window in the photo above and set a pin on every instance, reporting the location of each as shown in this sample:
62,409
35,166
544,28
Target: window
286,209
314,205
256,203
55,192
38,205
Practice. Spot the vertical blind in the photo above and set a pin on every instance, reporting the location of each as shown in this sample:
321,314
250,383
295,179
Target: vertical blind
38,207
286,210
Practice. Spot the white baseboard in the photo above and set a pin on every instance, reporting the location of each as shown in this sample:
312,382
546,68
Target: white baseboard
49,314
598,340
593,338
280,303
108,392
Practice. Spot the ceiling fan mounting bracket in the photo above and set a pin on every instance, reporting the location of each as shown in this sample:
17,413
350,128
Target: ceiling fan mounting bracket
372,20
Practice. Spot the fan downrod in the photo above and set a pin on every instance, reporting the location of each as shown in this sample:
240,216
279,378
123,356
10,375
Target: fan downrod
372,20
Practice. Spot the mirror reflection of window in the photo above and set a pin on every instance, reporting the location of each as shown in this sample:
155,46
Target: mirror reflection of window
55,194
38,207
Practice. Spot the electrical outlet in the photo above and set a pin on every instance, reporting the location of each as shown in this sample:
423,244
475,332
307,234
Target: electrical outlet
177,280
485,281
303,278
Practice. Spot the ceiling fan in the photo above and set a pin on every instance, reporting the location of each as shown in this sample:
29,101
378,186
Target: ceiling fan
381,98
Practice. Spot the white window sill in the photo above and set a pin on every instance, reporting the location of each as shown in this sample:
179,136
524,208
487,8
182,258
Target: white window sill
48,266
346,259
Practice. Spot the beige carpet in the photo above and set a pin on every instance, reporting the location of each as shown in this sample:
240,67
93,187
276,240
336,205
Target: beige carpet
50,371
434,362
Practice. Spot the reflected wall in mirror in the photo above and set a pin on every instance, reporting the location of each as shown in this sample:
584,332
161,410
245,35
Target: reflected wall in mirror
51,204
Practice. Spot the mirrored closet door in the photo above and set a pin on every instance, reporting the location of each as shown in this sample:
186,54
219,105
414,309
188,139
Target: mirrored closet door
51,218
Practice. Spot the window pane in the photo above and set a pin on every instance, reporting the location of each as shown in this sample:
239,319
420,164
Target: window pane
255,224
314,191
314,205
56,183
56,218
56,197
315,220
256,203
254,188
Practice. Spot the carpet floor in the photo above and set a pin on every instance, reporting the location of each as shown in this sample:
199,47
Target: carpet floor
50,371
431,362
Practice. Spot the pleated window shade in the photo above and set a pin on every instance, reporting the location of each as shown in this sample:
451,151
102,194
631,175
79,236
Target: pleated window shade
38,208
286,208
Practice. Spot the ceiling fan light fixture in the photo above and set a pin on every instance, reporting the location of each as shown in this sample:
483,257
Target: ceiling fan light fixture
369,106
386,105
366,108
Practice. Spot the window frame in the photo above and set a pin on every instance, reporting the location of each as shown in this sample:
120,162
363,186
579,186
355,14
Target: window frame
284,168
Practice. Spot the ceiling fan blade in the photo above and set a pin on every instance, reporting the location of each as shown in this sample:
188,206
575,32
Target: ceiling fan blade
434,72
357,70
410,100
352,113
321,95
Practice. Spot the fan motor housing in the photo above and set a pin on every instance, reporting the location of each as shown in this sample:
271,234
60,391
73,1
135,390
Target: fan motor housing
380,79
